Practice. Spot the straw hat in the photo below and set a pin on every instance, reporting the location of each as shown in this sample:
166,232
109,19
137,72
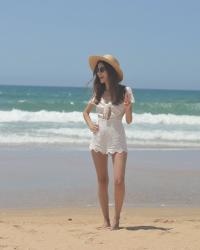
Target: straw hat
109,59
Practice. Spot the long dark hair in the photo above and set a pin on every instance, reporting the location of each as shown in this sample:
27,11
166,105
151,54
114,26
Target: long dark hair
117,90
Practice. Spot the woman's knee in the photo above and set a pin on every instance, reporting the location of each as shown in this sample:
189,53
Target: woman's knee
103,180
119,181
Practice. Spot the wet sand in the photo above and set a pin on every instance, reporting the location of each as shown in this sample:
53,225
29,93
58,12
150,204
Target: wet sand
55,176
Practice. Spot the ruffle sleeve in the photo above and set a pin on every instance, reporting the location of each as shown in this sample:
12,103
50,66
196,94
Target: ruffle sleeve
129,90
92,99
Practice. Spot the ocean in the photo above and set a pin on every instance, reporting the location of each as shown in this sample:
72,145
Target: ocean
53,115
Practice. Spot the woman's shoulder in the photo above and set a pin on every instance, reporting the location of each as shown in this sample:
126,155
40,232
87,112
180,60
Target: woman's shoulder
92,99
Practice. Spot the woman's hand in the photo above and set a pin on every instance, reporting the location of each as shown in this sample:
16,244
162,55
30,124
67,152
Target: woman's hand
94,127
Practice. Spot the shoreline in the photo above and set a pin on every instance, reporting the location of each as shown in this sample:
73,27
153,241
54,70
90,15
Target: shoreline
85,147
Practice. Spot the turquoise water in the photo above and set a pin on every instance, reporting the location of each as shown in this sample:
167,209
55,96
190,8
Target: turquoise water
28,98
161,118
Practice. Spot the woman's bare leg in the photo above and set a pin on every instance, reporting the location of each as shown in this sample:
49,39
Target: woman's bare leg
101,165
119,165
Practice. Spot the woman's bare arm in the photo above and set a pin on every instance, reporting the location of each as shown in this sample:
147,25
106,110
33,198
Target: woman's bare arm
128,108
128,114
86,115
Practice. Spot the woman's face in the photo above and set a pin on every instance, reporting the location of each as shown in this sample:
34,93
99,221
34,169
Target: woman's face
102,73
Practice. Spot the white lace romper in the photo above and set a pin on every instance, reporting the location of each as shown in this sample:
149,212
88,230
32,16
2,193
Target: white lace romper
111,136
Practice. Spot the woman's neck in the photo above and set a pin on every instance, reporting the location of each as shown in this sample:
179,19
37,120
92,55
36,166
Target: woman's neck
107,86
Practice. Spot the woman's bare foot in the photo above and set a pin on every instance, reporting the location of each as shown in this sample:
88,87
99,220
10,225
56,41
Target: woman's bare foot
115,225
105,225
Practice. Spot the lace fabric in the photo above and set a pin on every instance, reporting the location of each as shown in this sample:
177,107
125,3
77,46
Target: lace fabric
111,136
96,148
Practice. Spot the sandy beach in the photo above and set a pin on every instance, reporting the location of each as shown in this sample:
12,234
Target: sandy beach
49,200
77,228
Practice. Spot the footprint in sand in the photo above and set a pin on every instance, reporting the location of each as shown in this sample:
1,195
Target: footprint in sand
90,235
3,246
165,220
32,231
74,230
103,228
17,226
93,240
193,220
89,240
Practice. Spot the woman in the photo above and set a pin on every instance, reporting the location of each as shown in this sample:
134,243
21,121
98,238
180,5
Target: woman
112,101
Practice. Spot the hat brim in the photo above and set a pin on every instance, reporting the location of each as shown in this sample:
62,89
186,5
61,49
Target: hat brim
94,59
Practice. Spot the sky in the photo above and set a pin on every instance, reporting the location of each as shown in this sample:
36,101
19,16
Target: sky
48,42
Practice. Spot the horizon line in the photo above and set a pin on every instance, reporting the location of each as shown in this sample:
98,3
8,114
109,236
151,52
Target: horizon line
64,86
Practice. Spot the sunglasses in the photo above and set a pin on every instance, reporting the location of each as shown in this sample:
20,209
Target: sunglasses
100,69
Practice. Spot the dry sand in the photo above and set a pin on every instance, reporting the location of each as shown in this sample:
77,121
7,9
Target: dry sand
76,228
